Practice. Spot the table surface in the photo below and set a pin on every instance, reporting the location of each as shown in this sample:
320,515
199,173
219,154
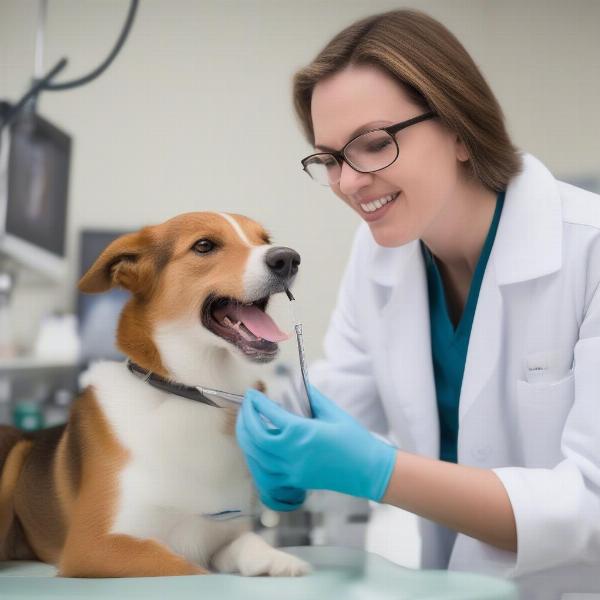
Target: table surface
337,573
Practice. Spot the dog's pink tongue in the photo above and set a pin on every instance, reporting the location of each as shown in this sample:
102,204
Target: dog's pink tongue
258,322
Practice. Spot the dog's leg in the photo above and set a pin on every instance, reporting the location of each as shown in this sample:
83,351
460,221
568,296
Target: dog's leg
13,453
249,554
118,555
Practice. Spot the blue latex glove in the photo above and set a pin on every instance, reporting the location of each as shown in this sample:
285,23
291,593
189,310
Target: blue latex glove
332,451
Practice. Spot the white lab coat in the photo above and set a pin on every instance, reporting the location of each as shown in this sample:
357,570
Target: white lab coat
530,396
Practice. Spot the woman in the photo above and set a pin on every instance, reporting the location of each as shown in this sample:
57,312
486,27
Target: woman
467,327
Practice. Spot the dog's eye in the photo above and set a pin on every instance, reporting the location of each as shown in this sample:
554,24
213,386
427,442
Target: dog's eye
203,246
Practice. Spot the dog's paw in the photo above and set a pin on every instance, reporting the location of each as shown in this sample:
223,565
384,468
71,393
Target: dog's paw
250,555
274,563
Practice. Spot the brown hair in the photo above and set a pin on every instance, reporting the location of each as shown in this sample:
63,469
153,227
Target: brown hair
436,72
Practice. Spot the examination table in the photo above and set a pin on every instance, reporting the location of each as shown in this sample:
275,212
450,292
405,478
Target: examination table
337,573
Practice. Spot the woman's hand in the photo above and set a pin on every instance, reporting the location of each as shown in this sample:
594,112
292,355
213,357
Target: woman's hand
287,454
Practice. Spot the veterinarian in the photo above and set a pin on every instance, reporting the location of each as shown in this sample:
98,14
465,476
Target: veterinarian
462,372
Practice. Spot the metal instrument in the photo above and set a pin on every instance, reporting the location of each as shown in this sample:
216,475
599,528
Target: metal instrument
228,396
302,356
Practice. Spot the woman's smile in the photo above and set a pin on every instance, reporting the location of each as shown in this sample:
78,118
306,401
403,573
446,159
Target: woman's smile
373,210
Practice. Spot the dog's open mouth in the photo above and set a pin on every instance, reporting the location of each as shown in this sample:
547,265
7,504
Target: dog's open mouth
246,326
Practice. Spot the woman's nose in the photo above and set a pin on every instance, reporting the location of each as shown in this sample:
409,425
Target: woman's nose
351,181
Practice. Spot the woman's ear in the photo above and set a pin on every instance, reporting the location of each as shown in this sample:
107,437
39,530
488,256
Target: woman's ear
124,262
462,154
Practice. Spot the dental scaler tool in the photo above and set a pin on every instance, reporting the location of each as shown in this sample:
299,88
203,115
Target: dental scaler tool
301,355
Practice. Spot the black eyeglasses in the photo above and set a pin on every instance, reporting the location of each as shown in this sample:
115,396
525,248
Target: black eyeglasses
366,153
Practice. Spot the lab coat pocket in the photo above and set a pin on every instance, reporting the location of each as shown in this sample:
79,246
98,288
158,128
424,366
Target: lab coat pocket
542,409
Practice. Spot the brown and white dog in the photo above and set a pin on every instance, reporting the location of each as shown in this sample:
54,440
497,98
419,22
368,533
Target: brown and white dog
136,482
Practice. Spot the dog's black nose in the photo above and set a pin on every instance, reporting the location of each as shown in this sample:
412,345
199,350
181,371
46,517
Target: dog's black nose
282,262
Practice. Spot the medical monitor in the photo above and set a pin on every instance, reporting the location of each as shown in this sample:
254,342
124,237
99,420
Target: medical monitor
34,179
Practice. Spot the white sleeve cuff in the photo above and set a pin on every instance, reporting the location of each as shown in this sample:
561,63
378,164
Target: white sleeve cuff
557,517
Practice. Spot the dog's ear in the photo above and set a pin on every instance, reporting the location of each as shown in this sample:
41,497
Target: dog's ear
125,262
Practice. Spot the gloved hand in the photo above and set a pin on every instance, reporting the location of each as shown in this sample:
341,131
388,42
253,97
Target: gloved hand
281,499
332,451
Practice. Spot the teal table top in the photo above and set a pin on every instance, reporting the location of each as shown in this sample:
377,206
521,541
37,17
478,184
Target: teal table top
337,573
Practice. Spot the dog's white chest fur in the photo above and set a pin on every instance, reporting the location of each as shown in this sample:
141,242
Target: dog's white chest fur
182,468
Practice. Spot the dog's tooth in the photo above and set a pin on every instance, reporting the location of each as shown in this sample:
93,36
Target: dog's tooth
244,332
237,326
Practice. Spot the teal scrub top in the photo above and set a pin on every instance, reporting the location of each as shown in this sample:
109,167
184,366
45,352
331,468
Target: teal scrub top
448,344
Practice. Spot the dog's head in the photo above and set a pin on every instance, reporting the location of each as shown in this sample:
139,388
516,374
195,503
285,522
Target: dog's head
198,281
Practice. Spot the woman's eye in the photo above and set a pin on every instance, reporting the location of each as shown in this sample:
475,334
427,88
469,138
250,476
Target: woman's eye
378,145
203,246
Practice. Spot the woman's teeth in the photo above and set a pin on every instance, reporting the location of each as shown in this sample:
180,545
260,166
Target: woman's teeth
376,204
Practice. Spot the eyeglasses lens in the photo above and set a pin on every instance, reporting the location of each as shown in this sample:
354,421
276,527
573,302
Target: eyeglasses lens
371,151
324,169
